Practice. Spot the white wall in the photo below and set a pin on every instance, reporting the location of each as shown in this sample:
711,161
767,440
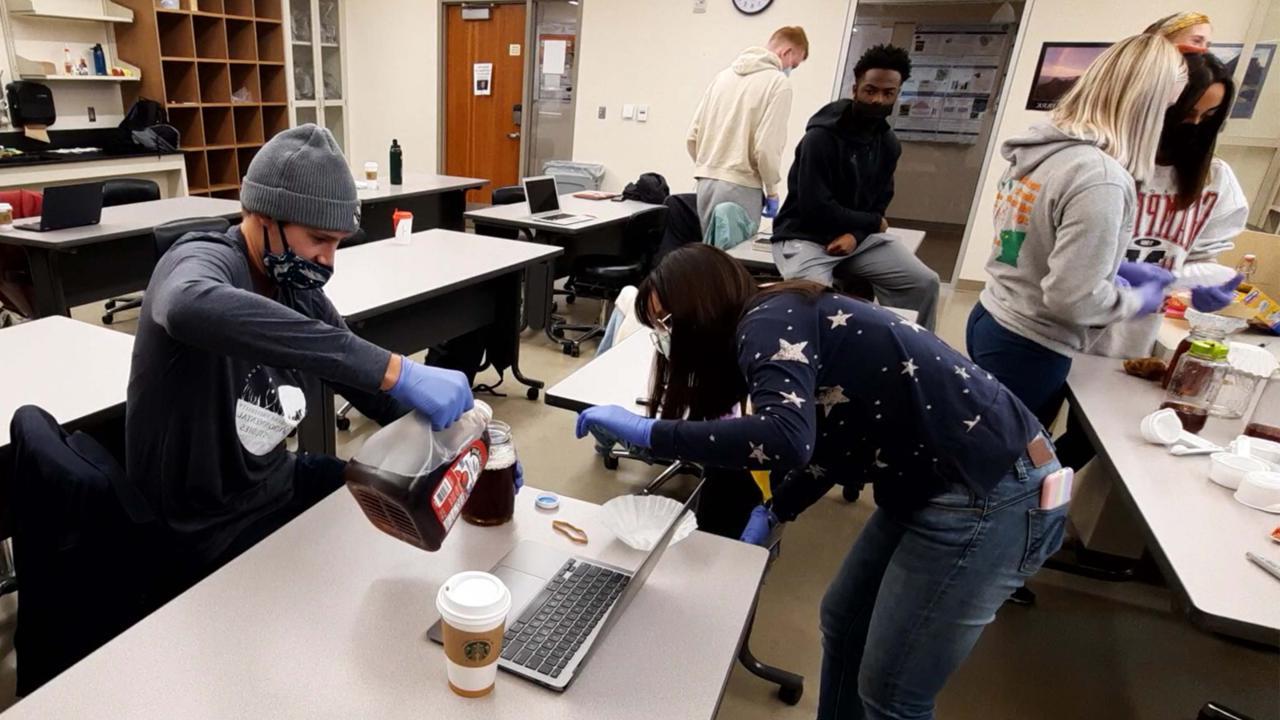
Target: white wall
393,65
659,53
1075,21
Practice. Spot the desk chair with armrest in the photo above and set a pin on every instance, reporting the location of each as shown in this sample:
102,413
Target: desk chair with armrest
126,191
602,277
508,195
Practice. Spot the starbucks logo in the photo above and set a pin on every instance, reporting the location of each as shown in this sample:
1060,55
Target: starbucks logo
477,650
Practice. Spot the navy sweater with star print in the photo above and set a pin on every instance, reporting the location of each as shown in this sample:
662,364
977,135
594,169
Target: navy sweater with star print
845,391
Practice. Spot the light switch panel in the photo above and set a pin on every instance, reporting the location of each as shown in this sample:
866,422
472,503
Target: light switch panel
642,113
628,111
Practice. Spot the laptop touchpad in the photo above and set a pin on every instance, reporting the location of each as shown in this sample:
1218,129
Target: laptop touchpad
523,586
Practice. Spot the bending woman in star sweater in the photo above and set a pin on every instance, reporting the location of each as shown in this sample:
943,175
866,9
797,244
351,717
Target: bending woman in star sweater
844,391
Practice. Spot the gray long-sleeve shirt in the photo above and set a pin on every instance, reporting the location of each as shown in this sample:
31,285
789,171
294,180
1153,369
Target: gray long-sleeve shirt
218,382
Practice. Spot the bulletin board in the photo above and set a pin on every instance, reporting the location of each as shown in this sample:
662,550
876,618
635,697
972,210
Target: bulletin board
555,67
955,74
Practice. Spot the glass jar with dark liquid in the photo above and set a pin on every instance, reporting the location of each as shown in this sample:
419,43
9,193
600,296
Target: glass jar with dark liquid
493,499
1195,383
1265,421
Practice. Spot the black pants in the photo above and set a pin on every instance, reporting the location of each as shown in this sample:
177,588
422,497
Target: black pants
314,478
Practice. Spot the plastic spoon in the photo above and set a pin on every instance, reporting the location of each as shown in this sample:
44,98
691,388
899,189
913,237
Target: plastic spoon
1183,450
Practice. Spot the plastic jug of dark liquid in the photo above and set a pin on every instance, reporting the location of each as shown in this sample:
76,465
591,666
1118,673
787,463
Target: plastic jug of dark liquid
412,482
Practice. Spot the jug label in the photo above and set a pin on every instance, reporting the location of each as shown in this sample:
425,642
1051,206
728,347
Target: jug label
456,485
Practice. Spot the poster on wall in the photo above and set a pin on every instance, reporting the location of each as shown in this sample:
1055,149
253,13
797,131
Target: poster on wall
1255,76
955,76
1060,66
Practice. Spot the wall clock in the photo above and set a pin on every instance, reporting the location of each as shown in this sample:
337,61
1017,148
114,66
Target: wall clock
752,7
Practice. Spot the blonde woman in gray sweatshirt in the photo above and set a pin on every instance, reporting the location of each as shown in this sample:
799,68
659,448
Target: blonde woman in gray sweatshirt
1064,213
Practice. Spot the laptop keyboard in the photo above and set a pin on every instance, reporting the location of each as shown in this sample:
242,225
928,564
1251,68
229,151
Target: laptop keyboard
557,216
557,622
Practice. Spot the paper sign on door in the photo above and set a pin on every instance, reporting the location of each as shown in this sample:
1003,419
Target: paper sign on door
482,78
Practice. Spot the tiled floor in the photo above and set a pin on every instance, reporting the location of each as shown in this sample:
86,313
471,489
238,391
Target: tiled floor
1086,650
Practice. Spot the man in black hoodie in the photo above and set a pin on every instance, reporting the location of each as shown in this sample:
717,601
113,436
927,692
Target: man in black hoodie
832,224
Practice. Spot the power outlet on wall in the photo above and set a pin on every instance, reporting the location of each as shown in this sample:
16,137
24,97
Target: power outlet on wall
93,114
601,112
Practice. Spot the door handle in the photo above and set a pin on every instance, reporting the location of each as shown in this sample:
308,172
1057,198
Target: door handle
514,135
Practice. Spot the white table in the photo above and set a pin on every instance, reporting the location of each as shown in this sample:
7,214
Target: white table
327,618
605,213
618,377
759,257
436,201
1197,531
76,371
114,257
440,286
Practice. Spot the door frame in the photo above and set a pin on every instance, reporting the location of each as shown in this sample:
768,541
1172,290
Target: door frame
532,77
442,133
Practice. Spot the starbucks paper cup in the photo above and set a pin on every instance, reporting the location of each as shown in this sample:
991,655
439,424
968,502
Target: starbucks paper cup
473,608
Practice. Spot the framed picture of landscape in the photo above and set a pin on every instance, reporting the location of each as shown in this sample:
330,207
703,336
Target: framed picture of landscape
1061,64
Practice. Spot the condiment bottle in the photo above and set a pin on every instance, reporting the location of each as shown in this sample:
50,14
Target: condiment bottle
1195,383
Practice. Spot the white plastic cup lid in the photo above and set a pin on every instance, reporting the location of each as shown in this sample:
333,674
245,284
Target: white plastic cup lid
474,597
371,165
5,207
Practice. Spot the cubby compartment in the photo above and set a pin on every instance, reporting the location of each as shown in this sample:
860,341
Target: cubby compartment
181,82
244,84
267,9
197,171
187,122
209,6
223,171
275,119
271,80
176,38
239,8
211,38
248,125
242,41
215,83
245,156
270,41
219,128
231,193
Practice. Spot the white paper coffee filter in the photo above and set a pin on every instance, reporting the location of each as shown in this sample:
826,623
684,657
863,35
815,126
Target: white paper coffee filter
1205,274
640,520
1252,359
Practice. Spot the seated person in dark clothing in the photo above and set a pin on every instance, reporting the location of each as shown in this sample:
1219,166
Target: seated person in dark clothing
843,391
234,329
832,224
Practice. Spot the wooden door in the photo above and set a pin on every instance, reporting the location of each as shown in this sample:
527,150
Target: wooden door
482,131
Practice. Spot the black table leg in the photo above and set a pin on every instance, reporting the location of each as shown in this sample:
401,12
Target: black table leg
47,278
537,302
538,282
316,432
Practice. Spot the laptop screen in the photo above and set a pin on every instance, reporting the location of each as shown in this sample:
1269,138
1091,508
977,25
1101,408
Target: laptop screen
541,192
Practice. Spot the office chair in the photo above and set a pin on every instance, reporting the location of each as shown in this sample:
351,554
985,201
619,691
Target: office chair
164,236
683,224
126,191
602,277
503,196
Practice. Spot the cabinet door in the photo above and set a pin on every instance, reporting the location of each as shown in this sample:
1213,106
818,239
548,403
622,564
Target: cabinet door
302,52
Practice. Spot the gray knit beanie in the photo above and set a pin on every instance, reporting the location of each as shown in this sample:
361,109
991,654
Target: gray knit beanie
301,177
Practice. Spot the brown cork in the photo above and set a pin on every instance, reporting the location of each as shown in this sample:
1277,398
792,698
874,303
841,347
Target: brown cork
473,650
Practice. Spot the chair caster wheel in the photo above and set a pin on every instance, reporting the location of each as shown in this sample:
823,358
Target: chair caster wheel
532,393
851,493
107,319
791,695
570,299
111,304
344,424
572,350
610,462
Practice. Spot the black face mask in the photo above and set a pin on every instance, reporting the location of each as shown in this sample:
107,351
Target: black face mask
875,111
1179,140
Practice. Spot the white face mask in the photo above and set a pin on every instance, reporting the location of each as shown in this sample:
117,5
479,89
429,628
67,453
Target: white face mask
662,337
787,71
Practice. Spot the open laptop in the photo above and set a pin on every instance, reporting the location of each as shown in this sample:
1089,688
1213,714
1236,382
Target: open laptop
563,605
68,206
544,202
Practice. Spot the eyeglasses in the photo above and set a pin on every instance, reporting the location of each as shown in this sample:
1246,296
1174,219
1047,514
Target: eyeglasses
663,323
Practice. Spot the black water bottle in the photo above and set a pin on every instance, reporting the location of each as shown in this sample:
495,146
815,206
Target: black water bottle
397,163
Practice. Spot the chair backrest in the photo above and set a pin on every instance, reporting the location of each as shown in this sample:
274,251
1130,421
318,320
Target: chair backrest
126,191
167,234
508,195
643,234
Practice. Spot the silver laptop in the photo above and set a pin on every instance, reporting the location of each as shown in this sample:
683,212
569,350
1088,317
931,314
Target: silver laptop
562,606
544,202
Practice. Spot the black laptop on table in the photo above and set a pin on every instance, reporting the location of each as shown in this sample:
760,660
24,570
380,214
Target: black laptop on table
68,206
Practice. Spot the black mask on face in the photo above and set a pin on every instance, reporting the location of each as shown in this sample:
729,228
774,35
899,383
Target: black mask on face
875,111
1178,140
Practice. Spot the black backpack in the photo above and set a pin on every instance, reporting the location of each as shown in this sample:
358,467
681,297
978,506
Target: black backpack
143,115
649,187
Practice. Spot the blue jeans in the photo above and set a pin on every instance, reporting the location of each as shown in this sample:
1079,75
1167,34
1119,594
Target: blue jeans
918,587
1035,374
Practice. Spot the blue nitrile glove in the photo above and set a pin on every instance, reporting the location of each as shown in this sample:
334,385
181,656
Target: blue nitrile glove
1152,295
1214,298
442,395
519,476
770,207
758,526
1136,273
617,421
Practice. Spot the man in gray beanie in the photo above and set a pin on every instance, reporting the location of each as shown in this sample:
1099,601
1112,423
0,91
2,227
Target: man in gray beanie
234,328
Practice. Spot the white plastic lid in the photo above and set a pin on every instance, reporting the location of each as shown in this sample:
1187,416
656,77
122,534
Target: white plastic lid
1264,479
5,207
1252,359
474,597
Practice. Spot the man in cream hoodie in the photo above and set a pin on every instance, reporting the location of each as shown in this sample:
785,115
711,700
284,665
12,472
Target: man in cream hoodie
740,127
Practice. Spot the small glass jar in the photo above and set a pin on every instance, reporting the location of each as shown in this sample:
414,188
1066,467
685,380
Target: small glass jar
1265,421
1237,391
493,499
1195,383
1204,326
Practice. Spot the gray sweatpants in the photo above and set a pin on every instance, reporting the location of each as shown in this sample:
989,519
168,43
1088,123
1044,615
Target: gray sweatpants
898,277
713,192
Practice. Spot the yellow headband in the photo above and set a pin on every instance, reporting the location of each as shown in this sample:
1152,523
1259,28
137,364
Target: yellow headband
1185,21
